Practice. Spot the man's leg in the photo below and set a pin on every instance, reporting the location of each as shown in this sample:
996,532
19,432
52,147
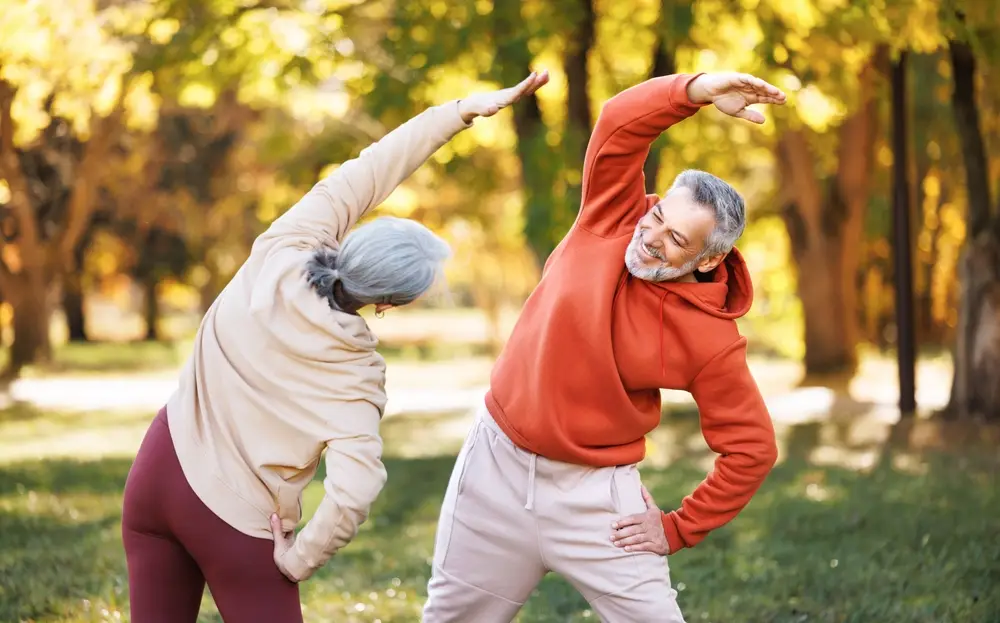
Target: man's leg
486,557
576,523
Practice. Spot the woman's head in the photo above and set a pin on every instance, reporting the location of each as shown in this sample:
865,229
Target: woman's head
387,262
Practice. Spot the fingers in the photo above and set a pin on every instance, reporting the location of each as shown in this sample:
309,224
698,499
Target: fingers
525,88
627,532
276,528
541,79
629,541
631,520
648,499
752,116
645,546
764,89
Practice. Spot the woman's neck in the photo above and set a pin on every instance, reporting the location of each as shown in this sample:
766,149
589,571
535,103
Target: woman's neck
343,301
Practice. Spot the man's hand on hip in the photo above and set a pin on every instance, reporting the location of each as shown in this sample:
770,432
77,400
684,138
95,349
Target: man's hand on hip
642,532
732,92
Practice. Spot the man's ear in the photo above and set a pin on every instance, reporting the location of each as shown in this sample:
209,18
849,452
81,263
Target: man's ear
709,263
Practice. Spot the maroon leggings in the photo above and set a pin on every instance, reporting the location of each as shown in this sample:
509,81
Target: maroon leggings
174,544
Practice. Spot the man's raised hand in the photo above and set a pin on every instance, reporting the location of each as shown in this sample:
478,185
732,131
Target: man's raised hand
732,92
489,104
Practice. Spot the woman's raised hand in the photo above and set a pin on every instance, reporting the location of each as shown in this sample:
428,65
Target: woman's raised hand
489,104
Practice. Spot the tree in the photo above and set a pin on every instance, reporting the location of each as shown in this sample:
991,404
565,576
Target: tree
976,386
825,219
52,180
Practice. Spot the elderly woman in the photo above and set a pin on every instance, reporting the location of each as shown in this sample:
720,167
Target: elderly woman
283,369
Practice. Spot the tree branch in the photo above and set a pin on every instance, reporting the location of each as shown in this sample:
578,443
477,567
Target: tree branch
10,170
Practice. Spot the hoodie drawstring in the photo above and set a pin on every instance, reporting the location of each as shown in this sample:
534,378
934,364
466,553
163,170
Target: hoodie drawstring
663,350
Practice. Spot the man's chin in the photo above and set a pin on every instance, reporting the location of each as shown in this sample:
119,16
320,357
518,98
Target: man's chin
640,270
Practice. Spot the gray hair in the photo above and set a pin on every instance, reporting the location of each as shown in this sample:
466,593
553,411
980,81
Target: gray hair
388,260
718,196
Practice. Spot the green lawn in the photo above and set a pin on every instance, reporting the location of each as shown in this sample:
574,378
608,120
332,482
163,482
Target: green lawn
911,538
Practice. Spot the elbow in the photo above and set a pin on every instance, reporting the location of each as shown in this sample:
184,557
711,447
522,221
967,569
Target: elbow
769,455
764,455
368,489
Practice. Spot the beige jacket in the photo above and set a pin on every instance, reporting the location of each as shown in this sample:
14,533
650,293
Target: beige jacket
277,377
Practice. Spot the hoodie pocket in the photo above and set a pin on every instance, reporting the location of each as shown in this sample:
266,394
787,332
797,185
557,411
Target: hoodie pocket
626,491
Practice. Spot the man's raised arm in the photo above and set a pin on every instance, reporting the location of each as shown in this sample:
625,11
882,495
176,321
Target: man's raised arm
614,196
614,193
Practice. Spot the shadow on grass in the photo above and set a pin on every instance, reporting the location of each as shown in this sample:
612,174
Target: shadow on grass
110,357
911,539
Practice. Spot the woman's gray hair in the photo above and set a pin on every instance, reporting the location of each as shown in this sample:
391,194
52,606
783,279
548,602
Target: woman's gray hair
724,201
387,260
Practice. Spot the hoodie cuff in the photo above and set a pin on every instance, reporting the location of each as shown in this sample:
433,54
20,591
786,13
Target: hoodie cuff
679,99
296,566
674,540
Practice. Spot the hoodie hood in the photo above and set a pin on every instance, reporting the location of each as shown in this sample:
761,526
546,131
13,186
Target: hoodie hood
729,294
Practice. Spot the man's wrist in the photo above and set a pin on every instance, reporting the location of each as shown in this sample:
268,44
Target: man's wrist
696,92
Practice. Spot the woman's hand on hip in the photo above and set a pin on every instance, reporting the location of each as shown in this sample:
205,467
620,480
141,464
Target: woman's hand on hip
283,542
489,104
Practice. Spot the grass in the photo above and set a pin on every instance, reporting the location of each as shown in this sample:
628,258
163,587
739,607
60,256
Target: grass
98,358
911,538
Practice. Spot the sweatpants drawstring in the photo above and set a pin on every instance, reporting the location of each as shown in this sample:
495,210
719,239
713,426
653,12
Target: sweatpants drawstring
531,482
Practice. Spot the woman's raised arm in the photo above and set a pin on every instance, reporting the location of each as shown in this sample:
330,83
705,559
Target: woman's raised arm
329,210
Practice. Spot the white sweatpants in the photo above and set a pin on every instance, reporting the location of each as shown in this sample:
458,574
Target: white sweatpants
510,516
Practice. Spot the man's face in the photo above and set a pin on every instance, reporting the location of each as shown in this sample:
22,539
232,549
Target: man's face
669,240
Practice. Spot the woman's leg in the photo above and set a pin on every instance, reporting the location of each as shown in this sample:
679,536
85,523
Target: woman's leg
165,584
242,577
245,582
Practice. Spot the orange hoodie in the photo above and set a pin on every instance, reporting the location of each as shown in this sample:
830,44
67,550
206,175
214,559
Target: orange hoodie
579,380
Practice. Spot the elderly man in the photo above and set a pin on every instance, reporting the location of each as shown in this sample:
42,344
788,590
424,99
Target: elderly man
641,294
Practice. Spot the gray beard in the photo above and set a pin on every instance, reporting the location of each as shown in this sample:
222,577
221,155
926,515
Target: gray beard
634,263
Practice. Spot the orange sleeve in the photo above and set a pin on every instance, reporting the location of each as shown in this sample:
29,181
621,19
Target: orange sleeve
737,426
613,183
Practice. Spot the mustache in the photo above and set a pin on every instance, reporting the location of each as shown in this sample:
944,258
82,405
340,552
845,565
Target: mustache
637,240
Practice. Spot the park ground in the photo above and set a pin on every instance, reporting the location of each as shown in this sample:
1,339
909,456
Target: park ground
864,519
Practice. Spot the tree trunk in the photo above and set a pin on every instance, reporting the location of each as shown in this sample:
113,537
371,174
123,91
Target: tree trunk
975,388
663,65
151,308
73,308
31,327
580,121
550,207
825,220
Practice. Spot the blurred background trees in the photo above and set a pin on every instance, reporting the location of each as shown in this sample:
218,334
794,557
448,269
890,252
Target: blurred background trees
143,146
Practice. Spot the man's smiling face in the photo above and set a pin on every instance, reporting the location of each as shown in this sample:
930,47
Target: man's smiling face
669,240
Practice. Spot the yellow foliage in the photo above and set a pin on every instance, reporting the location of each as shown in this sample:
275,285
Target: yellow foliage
401,202
142,104
65,48
161,31
197,95
484,7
